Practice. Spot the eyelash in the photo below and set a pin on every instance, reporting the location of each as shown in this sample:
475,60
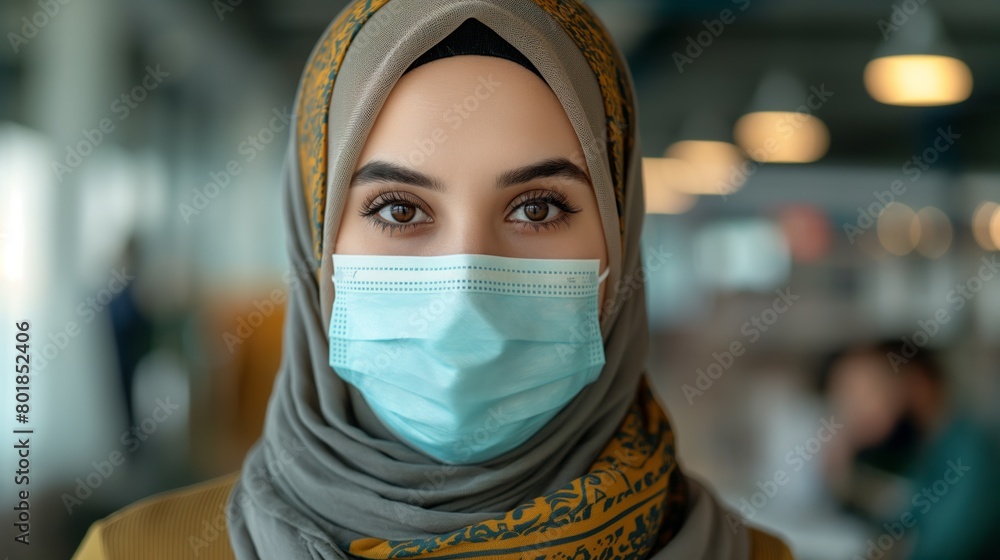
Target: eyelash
549,196
376,201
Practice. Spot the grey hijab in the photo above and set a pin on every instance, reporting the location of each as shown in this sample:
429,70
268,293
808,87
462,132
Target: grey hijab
325,471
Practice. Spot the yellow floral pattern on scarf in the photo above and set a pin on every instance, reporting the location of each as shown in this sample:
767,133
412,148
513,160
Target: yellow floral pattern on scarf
627,506
323,65
594,41
315,91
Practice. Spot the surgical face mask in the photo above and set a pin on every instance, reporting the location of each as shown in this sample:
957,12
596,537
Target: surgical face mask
465,357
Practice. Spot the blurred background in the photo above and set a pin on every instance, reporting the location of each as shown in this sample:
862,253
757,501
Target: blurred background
821,246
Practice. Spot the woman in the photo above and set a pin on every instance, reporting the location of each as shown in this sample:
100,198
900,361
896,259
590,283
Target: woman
466,174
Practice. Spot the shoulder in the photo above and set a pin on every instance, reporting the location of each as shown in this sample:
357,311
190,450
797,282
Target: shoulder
183,523
765,546
710,530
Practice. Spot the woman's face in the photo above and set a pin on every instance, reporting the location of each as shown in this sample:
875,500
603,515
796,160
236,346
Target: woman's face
472,154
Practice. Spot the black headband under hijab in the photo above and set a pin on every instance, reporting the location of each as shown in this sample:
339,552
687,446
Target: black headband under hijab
474,37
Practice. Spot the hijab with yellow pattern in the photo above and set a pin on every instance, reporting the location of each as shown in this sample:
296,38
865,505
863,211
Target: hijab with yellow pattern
600,480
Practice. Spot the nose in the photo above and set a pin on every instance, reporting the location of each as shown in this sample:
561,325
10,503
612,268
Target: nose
471,234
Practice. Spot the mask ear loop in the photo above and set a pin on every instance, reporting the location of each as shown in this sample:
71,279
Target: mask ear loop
603,275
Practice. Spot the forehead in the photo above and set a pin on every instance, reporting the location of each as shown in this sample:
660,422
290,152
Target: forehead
470,109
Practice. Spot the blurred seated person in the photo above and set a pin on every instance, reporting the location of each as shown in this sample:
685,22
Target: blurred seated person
911,461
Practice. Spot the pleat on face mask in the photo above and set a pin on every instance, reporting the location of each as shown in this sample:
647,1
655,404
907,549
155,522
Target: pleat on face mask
464,357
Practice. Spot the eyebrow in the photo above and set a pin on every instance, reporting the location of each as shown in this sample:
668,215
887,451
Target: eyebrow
379,171
554,167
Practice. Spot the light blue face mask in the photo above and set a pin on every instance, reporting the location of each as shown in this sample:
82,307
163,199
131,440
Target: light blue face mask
465,357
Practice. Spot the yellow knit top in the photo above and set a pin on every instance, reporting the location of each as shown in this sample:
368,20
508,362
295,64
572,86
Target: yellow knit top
191,523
